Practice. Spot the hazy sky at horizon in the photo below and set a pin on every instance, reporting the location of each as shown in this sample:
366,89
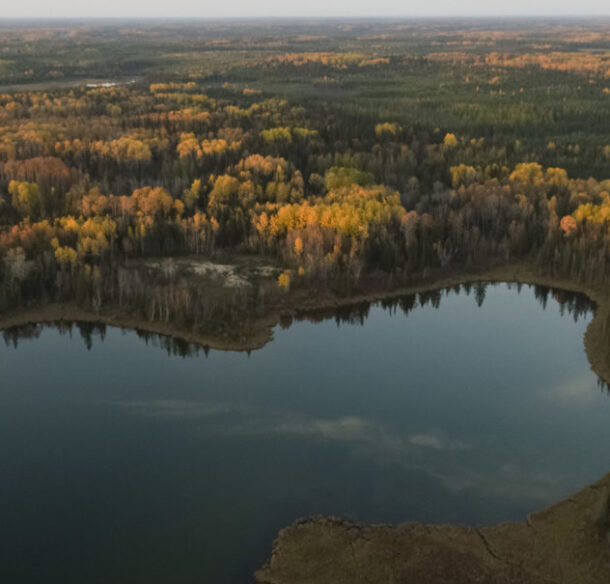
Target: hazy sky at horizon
293,8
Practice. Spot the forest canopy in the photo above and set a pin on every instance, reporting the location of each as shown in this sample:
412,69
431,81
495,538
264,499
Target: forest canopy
388,149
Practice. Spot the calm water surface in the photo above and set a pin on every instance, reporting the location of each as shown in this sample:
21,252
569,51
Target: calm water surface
122,462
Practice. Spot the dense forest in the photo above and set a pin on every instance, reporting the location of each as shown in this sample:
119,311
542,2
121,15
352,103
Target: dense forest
319,153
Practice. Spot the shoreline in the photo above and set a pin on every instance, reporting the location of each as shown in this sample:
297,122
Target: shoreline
567,543
303,302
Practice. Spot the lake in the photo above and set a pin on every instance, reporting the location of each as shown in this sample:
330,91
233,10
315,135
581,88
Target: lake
129,458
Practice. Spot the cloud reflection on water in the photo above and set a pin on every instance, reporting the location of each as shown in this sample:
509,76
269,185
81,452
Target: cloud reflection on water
432,451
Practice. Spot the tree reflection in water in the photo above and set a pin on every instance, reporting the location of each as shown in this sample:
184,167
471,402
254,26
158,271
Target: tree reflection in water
575,304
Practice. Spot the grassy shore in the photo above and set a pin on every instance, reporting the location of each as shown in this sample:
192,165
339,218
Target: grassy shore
568,543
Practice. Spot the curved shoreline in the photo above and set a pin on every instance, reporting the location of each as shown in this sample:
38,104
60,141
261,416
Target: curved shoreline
567,543
306,302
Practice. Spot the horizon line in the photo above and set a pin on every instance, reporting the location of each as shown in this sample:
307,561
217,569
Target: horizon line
314,17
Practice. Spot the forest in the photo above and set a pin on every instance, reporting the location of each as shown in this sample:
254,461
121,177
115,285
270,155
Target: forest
327,155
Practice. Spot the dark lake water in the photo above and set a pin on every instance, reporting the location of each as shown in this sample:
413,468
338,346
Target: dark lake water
122,461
